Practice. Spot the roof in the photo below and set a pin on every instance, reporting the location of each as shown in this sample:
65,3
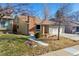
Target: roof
71,22
38,21
25,18
74,23
47,22
8,17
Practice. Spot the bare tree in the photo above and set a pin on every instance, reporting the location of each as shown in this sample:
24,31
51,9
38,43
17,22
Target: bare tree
16,9
27,11
75,16
46,11
7,10
61,15
1,12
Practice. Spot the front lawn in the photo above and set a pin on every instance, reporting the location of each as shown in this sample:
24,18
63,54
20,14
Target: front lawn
55,44
14,45
11,44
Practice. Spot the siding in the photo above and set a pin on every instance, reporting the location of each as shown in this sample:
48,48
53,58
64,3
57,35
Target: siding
26,26
22,26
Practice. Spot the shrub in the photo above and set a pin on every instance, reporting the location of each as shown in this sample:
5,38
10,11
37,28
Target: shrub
37,35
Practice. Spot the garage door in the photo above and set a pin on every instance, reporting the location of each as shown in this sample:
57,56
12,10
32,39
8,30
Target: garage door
53,30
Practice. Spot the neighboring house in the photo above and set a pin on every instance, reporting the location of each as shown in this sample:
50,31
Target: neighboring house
6,24
72,27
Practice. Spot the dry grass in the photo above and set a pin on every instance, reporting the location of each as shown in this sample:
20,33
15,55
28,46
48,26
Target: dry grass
62,43
54,44
17,46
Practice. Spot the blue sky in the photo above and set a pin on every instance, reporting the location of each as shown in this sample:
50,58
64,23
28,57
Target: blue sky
52,7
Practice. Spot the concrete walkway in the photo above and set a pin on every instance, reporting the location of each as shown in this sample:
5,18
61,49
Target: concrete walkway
32,38
39,42
71,36
71,51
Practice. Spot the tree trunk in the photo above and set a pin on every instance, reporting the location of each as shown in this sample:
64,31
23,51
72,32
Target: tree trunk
59,30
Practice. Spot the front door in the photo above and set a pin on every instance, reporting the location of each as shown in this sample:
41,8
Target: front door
46,28
14,28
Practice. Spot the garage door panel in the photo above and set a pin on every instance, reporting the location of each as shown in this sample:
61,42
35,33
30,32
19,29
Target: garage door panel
54,30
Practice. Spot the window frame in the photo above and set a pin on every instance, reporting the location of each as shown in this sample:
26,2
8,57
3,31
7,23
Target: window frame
38,29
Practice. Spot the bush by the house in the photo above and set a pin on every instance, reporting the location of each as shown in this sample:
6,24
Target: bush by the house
37,35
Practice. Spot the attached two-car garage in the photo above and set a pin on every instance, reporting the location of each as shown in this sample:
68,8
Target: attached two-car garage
53,30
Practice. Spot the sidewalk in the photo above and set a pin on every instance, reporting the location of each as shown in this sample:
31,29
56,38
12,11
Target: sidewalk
71,51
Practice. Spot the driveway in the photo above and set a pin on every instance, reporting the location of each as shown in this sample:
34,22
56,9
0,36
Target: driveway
70,51
71,36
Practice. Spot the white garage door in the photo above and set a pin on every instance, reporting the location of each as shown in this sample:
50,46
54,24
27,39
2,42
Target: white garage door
53,30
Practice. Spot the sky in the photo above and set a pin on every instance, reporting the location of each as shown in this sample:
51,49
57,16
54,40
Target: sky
39,8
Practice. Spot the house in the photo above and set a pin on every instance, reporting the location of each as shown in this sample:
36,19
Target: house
26,24
49,27
6,24
29,24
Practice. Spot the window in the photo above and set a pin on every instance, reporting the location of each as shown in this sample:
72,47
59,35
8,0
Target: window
4,24
77,29
37,27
